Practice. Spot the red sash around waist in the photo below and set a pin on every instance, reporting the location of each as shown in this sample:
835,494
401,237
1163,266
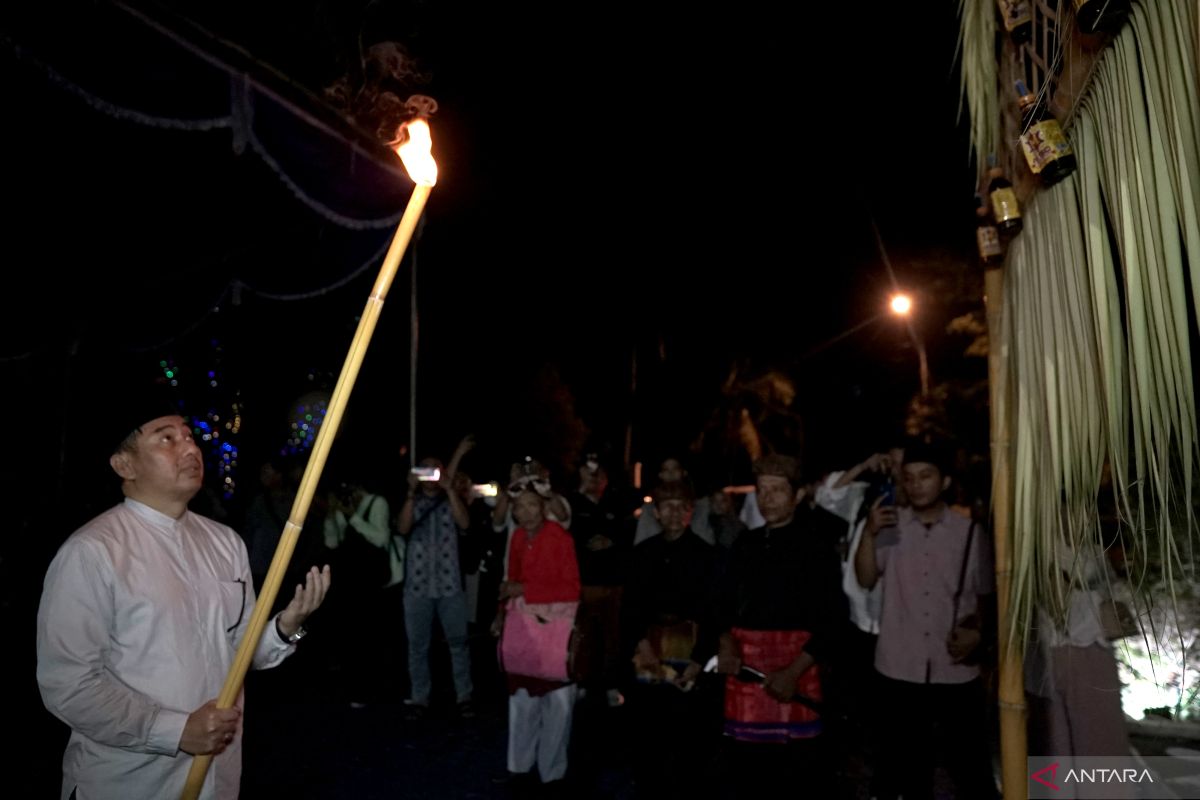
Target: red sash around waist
751,714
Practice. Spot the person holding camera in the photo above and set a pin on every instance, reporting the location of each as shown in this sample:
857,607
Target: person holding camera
849,494
358,534
432,519
935,567
853,693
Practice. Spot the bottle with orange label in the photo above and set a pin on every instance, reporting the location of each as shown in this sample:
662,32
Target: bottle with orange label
1047,150
1006,212
987,238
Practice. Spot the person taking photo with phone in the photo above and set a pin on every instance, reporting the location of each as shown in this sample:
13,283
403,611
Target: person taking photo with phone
432,519
938,583
358,536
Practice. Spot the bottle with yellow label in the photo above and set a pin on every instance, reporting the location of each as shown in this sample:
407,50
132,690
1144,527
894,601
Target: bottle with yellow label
1047,150
1101,16
1006,212
1017,18
987,238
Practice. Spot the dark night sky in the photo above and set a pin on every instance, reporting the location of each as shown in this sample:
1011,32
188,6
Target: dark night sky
586,208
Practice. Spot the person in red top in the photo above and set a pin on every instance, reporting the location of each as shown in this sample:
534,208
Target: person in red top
542,569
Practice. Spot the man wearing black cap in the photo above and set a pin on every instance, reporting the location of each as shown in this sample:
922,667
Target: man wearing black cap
937,573
141,614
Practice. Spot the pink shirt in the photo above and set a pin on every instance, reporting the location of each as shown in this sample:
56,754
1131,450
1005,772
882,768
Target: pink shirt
919,566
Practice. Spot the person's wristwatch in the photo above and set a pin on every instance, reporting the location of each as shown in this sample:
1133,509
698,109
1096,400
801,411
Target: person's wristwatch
295,637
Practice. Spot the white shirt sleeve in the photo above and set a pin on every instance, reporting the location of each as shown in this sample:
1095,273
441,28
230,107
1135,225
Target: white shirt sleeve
271,649
73,629
841,500
375,526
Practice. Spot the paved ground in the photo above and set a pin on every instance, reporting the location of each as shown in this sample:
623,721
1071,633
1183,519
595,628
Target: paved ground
303,740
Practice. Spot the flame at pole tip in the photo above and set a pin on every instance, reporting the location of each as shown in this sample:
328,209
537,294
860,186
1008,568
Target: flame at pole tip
416,152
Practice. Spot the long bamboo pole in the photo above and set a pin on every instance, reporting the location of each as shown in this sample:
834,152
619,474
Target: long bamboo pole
414,337
1013,746
312,472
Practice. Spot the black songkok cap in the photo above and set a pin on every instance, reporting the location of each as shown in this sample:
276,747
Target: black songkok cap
922,451
142,403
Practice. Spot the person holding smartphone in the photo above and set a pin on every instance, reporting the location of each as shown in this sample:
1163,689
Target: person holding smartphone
432,519
358,535
853,695
936,571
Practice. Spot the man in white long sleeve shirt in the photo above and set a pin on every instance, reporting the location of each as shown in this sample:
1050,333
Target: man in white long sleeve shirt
846,494
141,614
842,493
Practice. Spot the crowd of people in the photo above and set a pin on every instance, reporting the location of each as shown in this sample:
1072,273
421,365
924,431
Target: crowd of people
754,639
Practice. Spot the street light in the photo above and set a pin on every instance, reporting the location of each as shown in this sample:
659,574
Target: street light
901,306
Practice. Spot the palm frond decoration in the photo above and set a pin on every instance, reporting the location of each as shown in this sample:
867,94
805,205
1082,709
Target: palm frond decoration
1101,293
977,73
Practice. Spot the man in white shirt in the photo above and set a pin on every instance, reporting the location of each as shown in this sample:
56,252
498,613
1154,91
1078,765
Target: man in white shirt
141,614
849,494
843,493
